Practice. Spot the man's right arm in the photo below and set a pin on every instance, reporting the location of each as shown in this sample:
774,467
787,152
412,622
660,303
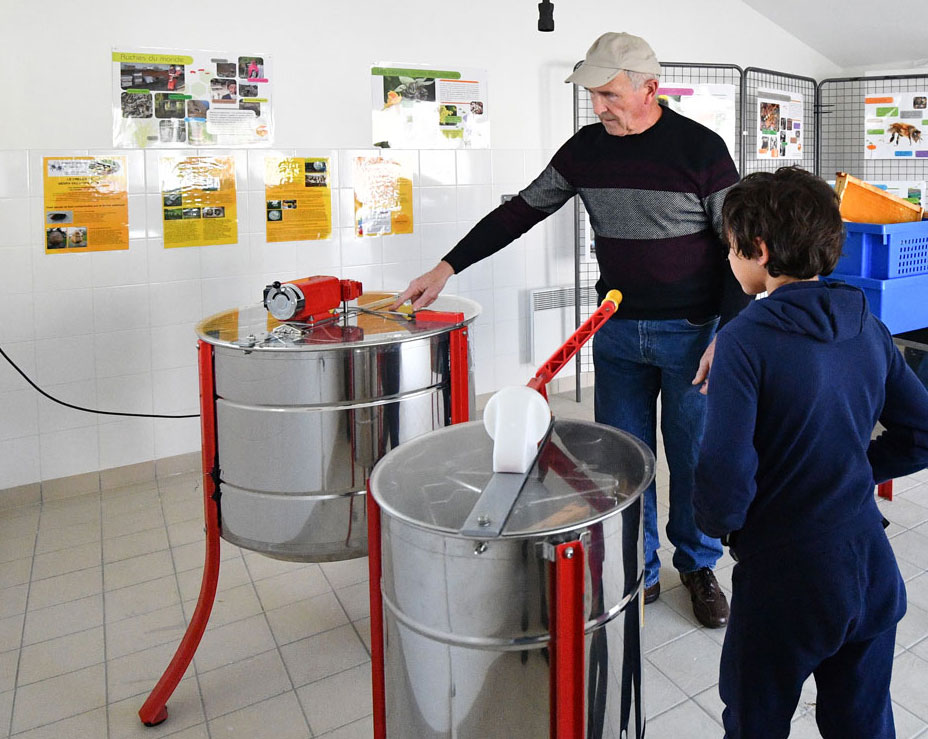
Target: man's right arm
497,229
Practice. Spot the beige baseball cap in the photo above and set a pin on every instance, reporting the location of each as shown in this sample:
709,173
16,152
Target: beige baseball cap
610,54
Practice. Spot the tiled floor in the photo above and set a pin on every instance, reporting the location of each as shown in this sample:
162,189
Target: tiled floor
94,592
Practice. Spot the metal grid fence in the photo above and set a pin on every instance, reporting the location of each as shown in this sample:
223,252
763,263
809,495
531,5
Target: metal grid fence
842,120
587,272
755,80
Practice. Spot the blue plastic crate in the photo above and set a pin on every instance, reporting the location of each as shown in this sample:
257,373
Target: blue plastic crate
885,251
901,303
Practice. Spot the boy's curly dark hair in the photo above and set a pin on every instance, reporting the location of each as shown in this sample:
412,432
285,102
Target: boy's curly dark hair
795,213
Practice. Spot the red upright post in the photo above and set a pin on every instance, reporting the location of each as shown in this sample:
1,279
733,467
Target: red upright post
460,389
885,490
155,710
567,643
375,568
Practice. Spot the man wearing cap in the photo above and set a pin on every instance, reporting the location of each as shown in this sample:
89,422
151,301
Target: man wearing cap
652,182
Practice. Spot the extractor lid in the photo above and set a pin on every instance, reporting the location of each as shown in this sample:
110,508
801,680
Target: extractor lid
585,472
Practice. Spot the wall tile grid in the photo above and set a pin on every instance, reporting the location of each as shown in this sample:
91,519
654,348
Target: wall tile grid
115,330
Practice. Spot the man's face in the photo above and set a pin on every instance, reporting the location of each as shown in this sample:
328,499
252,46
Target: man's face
622,109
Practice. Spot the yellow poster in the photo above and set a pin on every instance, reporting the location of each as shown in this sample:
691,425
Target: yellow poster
382,197
298,198
198,201
86,204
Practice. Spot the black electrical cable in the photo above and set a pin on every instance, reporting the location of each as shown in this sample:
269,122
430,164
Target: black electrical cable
87,410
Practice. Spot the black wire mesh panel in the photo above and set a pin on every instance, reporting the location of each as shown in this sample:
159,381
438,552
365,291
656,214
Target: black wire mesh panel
756,80
842,124
586,268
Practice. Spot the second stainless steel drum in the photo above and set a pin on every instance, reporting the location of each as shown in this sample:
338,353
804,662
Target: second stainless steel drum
467,619
303,414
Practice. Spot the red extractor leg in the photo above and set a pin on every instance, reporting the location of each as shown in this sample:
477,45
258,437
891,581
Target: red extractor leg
155,710
567,640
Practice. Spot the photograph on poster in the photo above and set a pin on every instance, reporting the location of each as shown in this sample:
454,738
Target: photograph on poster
253,107
165,107
197,108
248,91
778,124
56,238
136,105
711,104
172,131
226,69
223,90
251,67
153,77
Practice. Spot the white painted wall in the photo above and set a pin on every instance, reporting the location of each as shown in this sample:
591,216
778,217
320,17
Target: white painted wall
114,330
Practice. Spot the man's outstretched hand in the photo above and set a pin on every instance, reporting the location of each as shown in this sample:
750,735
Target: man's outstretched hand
423,290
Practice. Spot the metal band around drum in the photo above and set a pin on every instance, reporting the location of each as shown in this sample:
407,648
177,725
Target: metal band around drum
504,645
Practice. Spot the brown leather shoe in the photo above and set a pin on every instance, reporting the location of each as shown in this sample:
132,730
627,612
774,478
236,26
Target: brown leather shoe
651,593
709,603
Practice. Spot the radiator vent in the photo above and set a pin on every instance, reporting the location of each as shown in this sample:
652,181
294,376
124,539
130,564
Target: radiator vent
553,319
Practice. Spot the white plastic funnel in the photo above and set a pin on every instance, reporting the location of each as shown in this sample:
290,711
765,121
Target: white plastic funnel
516,418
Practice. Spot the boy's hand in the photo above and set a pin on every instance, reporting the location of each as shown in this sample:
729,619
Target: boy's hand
424,289
705,363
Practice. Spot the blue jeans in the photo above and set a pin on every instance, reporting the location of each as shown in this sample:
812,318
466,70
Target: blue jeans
634,361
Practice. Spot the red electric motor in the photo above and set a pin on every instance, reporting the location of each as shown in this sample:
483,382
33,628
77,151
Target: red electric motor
309,299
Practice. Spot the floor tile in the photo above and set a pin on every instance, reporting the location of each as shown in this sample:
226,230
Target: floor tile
15,572
60,656
691,662
137,570
58,698
338,699
912,547
61,620
6,710
11,632
356,600
82,726
13,600
323,655
282,712
362,729
244,683
142,598
909,686
231,604
234,642
132,523
164,626
64,537
660,694
133,545
306,618
913,627
53,591
685,721
281,590
16,547
232,574
663,624
908,725
67,560
347,572
8,664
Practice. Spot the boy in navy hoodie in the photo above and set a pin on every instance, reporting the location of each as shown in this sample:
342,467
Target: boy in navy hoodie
787,469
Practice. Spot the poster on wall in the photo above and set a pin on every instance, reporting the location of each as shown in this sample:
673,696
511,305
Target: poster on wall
712,105
198,201
86,203
298,198
416,107
912,190
779,125
896,125
191,98
382,197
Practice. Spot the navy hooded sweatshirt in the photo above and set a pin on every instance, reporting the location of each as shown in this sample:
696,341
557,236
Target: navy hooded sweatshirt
798,382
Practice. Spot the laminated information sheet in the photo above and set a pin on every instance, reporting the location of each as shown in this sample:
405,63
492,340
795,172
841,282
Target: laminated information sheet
415,107
198,201
86,204
779,125
382,197
712,105
298,198
191,98
896,125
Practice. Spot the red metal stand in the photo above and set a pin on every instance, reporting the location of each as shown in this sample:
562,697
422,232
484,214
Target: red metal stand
155,710
378,692
567,639
885,490
460,391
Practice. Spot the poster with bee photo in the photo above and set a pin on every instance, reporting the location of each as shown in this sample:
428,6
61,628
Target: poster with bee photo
191,98
896,125
780,125
298,198
415,107
86,203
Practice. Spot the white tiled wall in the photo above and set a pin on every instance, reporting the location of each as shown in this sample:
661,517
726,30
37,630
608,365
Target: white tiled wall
114,330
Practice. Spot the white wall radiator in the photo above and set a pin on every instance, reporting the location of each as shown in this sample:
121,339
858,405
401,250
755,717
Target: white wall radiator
552,320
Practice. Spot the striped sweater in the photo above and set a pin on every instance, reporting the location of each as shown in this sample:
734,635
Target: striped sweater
654,201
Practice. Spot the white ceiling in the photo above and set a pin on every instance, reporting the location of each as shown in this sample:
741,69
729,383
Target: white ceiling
855,34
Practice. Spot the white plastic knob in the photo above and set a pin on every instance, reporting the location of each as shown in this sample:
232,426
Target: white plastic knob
516,418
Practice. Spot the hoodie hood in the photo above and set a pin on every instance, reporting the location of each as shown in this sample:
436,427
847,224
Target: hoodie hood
826,311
